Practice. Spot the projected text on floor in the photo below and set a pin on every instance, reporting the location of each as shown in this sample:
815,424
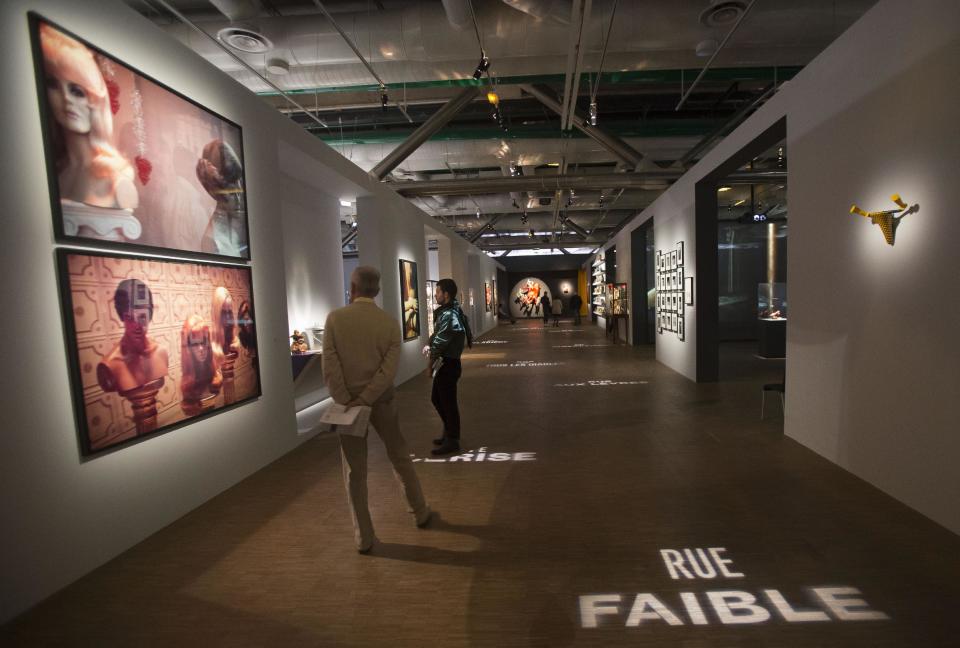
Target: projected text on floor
721,606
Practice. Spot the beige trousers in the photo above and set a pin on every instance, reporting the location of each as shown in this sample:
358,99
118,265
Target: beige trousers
353,450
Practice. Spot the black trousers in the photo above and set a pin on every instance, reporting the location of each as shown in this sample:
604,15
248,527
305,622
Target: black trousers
444,397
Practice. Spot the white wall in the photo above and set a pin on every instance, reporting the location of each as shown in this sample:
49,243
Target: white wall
314,271
63,516
871,362
389,231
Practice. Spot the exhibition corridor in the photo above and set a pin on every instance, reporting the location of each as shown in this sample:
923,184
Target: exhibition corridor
605,501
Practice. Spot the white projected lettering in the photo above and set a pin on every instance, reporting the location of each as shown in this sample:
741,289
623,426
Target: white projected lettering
579,346
525,363
723,606
478,456
494,342
602,383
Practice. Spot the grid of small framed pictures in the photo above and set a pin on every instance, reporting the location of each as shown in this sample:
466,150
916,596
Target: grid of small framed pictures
670,297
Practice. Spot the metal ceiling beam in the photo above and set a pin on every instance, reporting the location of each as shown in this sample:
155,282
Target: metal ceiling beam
437,121
571,88
576,228
486,226
550,183
731,123
620,149
706,67
349,237
539,245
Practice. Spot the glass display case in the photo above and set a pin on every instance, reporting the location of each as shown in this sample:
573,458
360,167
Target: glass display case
772,301
599,281
619,305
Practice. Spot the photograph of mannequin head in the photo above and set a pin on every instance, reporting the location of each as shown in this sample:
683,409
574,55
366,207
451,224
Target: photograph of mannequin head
220,172
224,323
199,364
90,169
136,359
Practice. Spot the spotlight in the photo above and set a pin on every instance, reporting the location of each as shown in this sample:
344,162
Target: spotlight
780,157
478,212
482,67
493,98
532,233
384,99
593,112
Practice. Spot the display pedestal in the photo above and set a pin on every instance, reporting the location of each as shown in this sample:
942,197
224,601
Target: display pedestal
773,337
143,400
299,361
229,359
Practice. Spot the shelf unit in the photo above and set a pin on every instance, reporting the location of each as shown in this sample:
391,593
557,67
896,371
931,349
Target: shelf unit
598,277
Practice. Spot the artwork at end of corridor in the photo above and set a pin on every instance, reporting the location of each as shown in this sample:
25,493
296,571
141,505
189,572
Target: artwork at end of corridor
529,297
409,299
153,343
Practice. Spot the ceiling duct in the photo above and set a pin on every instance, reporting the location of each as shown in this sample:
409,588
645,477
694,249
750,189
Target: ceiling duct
721,13
459,13
238,9
585,182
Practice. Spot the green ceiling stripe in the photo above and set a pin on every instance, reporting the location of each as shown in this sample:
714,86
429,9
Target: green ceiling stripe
630,77
659,128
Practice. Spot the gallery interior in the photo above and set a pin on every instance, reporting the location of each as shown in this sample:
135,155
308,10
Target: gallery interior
741,437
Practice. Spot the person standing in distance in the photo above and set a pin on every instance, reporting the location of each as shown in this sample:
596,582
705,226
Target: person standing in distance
361,347
575,303
450,332
545,304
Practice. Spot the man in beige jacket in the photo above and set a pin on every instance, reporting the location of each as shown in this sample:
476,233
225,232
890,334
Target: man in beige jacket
361,347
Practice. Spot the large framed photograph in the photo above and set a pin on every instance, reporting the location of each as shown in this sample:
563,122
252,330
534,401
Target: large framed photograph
154,343
132,162
410,300
487,297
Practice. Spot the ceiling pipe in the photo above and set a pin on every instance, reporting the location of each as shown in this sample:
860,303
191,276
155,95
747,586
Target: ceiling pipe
186,21
437,121
349,42
486,226
582,233
620,149
458,13
731,123
238,9
579,14
706,67
550,183
537,245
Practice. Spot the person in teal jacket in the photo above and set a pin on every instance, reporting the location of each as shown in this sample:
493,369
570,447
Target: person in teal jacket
451,331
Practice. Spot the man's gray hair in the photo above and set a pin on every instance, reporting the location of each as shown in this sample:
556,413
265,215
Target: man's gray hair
366,279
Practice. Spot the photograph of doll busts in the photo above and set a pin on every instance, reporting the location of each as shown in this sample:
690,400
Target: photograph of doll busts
410,299
487,297
133,162
528,297
200,373
154,343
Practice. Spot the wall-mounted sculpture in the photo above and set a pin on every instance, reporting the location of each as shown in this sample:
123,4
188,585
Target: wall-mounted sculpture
888,220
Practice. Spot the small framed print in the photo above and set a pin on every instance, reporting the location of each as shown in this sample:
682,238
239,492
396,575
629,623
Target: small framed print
688,291
673,319
680,277
680,252
658,259
681,333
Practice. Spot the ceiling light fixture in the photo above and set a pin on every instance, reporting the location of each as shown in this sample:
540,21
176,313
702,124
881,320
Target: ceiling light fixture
482,67
384,99
345,203
593,112
493,98
723,189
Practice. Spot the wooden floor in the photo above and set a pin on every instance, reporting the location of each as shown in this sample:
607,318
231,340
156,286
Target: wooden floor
616,473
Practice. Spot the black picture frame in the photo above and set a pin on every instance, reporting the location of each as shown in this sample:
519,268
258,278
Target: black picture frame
76,368
57,213
409,296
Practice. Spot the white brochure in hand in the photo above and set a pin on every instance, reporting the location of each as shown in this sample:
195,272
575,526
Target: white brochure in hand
352,421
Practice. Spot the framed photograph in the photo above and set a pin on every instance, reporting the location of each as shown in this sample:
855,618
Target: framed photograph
688,291
154,344
487,297
680,253
681,333
132,162
409,300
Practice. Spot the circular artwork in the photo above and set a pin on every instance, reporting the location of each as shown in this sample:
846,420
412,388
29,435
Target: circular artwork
527,297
